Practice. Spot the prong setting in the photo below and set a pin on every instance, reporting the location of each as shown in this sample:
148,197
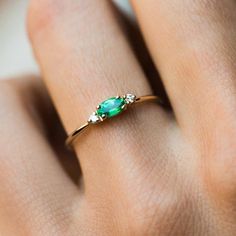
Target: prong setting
129,98
103,117
94,118
124,107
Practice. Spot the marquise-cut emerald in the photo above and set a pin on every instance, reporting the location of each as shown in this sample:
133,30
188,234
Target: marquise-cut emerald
111,107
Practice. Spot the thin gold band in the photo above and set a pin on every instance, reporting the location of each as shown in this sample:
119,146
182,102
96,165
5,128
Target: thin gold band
147,98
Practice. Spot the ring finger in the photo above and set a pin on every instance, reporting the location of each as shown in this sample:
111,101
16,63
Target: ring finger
85,58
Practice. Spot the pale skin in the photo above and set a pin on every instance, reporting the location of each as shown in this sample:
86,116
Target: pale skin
149,171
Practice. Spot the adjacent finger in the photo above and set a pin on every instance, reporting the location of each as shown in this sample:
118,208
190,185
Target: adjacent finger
35,193
193,46
136,40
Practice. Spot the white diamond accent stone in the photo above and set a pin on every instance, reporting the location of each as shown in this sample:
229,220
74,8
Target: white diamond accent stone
94,119
130,98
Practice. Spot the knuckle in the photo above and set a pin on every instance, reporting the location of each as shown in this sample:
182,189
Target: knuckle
7,90
11,90
8,99
150,210
11,103
52,16
219,159
162,218
209,8
42,15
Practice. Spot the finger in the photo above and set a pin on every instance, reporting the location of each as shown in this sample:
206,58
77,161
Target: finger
35,193
192,43
137,42
86,59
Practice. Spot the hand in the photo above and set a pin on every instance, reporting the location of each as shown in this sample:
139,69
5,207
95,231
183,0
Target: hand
148,171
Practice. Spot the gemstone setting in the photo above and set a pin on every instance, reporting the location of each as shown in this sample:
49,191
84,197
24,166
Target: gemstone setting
130,98
111,107
94,118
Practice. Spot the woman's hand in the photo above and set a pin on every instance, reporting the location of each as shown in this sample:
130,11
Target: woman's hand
147,172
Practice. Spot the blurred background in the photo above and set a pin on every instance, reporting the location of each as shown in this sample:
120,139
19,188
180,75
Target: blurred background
16,54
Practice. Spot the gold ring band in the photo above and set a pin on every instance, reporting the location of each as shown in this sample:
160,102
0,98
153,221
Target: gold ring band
109,108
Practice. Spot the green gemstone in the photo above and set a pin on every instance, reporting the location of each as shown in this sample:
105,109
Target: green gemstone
111,107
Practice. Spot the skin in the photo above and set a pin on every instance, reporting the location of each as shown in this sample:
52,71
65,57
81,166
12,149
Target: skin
147,172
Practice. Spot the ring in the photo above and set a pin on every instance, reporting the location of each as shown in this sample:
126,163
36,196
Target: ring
109,108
